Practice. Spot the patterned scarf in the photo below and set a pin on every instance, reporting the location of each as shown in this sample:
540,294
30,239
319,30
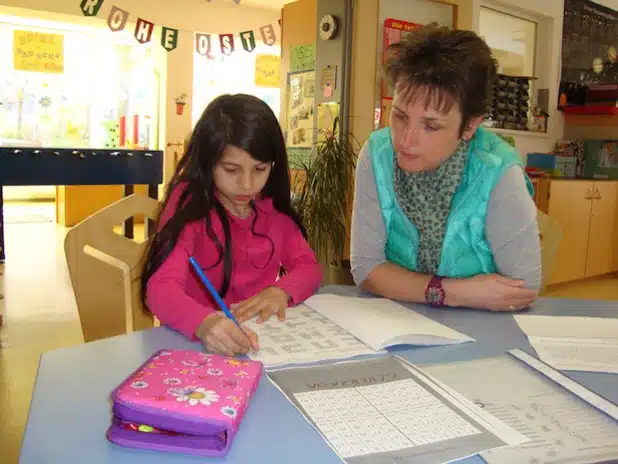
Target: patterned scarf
425,198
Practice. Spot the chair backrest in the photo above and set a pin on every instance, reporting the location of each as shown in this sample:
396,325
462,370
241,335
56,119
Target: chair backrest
551,235
105,268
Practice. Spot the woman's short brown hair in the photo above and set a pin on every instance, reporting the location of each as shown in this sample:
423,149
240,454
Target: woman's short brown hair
446,67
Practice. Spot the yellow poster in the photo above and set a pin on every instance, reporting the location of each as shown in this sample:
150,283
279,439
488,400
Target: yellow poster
267,71
33,51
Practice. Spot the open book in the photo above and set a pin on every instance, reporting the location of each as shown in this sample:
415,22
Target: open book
331,327
381,323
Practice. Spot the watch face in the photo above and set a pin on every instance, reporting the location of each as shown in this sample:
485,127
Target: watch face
435,296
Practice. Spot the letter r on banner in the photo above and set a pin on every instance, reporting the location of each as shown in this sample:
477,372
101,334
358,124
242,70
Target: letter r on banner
91,7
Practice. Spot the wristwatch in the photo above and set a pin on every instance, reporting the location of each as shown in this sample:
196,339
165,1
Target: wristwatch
434,293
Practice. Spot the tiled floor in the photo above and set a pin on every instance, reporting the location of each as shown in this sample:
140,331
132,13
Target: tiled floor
40,312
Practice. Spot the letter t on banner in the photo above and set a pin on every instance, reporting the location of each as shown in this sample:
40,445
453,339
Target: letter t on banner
248,40
91,7
143,30
268,35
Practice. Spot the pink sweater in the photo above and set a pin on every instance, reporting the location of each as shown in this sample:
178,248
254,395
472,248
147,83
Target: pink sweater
178,298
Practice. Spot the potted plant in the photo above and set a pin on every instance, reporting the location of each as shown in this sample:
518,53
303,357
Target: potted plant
322,196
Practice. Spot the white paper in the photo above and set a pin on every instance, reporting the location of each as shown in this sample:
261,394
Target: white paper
573,343
562,427
304,337
507,433
386,410
568,326
577,354
381,323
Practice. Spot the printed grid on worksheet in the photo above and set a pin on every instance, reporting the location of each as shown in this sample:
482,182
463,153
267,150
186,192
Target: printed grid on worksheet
380,418
305,336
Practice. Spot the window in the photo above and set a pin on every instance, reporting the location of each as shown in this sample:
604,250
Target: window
105,97
512,40
233,73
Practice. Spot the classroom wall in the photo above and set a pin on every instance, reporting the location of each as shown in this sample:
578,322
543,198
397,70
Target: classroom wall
367,19
299,21
188,16
219,16
548,14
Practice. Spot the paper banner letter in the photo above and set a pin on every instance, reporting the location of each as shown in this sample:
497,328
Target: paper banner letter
268,35
91,7
227,43
248,40
143,30
169,38
202,45
117,19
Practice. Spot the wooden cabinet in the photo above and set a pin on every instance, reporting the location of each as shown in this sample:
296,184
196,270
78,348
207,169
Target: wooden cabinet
587,213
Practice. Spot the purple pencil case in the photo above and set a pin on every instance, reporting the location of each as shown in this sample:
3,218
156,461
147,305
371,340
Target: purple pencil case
183,401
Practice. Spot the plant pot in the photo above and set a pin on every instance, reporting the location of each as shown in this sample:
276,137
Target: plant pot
340,273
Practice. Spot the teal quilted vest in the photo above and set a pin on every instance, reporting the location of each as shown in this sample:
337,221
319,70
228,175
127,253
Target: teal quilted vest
465,250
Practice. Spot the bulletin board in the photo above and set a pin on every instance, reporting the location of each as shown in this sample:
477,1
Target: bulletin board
299,116
394,31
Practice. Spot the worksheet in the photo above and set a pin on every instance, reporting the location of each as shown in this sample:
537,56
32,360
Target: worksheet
562,427
573,343
383,410
304,337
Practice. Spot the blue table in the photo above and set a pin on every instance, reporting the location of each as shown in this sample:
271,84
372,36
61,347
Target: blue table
70,409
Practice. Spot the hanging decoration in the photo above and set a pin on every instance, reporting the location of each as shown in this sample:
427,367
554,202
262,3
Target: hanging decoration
268,35
248,40
91,7
169,38
118,18
202,45
143,30
227,43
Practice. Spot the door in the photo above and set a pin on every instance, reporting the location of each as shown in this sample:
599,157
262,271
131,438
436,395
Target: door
602,229
570,203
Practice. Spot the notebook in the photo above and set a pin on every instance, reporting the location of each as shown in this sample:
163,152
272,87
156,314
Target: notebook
381,323
331,327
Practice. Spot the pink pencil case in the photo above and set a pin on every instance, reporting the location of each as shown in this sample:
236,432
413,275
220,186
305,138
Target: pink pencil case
183,401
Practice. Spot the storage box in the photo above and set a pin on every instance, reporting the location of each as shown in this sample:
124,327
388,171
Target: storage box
601,159
560,166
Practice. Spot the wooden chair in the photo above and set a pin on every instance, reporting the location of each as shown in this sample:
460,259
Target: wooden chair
551,234
105,268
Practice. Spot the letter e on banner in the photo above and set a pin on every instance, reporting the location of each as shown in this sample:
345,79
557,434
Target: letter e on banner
268,34
202,45
117,19
227,43
143,30
169,38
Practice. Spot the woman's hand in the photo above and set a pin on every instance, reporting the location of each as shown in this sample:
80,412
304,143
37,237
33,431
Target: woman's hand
269,301
489,291
222,336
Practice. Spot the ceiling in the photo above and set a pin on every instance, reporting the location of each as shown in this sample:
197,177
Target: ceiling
265,4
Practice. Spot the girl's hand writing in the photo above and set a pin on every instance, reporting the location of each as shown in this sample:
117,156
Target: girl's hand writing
221,336
269,301
489,291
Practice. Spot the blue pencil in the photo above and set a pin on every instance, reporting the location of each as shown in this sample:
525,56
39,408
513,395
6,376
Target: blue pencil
214,292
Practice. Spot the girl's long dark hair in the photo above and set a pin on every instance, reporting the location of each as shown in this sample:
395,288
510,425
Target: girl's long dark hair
247,123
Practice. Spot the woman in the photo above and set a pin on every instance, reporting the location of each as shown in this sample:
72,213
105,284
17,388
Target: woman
443,211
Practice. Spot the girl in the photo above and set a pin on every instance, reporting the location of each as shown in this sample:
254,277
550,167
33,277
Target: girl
228,205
